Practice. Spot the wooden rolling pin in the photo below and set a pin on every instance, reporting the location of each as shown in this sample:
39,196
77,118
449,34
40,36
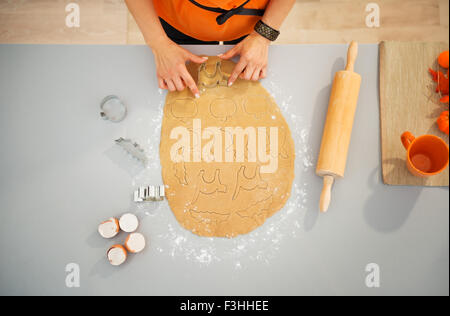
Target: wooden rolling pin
338,126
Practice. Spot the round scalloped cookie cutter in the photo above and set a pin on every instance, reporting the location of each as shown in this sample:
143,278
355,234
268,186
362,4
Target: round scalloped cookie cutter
113,109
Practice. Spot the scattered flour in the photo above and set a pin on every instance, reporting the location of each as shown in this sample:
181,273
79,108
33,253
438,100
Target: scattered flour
261,245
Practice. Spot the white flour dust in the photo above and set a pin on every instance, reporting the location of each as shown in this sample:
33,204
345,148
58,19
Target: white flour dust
168,238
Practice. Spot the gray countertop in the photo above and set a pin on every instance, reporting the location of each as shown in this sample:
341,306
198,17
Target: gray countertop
61,174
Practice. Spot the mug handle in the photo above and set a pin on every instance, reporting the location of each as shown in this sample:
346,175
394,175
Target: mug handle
407,139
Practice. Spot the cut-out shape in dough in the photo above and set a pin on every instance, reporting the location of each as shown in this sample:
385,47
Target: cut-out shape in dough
184,109
232,146
205,186
196,151
257,208
256,106
282,142
248,183
211,216
180,172
222,108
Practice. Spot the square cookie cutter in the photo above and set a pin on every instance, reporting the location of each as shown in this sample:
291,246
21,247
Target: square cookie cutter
151,193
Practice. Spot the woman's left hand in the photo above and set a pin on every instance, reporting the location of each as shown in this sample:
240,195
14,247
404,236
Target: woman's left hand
253,52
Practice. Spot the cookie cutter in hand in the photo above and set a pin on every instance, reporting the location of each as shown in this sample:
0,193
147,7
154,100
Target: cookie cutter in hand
149,193
211,80
113,109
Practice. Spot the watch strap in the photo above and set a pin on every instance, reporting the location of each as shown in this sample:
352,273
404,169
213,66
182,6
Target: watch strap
266,31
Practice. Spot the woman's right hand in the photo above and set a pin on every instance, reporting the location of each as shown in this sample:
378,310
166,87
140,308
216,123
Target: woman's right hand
171,68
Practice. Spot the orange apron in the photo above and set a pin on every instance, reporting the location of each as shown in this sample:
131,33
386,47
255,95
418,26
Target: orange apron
212,20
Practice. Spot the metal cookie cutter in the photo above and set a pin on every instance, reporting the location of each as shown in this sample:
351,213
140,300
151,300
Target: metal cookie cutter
113,109
149,193
134,149
211,80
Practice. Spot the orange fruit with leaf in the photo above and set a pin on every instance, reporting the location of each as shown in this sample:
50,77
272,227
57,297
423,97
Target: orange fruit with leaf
443,59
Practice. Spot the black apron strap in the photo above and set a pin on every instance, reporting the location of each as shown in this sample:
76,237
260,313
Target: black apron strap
226,14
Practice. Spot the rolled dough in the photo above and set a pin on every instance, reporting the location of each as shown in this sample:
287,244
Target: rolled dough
230,194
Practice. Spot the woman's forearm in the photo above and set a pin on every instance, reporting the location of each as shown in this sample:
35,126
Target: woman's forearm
146,18
276,12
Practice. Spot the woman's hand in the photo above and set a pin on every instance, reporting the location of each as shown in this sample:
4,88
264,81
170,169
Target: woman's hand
171,69
252,65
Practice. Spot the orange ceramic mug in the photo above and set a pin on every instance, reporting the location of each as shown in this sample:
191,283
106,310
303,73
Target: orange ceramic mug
427,155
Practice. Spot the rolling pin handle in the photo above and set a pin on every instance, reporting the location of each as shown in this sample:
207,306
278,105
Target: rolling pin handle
325,197
352,54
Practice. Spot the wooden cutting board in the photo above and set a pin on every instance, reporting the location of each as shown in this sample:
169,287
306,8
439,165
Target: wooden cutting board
408,102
